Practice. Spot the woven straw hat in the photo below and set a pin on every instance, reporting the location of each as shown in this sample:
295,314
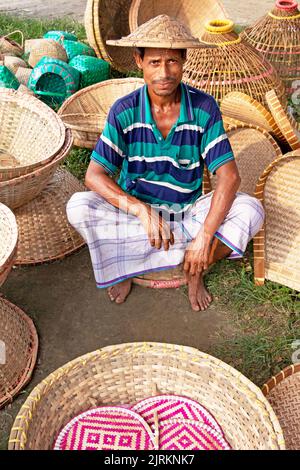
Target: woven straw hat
161,32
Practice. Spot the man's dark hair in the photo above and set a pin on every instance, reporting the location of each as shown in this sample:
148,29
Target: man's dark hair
141,52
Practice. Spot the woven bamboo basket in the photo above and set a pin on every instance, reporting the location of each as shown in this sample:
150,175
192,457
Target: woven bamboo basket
7,78
189,12
277,37
75,48
276,246
20,340
254,149
127,373
242,107
106,19
24,89
287,124
8,241
23,75
13,63
231,65
46,48
92,70
283,393
45,233
29,44
30,132
9,46
18,191
85,112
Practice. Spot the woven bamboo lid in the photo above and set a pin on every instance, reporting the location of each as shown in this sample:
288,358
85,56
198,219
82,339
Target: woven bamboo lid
8,241
240,106
161,32
45,234
283,393
18,348
286,124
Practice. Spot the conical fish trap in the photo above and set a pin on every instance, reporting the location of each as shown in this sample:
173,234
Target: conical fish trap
277,37
232,65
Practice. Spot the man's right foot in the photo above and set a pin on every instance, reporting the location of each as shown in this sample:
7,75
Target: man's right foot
119,292
199,296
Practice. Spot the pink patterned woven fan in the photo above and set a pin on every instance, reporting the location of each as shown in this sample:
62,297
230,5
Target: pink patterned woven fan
106,428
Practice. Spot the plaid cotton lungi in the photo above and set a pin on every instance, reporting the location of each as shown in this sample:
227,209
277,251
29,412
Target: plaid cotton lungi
120,248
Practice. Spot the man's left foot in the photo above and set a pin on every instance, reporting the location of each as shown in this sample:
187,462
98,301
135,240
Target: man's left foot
199,296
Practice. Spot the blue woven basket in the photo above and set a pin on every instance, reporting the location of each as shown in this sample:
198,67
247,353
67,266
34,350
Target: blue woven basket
54,81
92,70
57,35
74,48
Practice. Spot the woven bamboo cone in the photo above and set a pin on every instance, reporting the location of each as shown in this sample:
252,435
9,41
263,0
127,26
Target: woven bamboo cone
277,37
276,246
230,65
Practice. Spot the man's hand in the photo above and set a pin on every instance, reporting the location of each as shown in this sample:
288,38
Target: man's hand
156,227
196,259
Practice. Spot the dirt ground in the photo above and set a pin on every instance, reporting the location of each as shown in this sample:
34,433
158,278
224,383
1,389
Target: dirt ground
240,12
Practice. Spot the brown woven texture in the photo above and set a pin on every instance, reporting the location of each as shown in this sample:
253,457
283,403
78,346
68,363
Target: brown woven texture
23,189
127,373
108,19
276,246
283,393
286,124
9,46
277,37
29,44
253,149
85,112
189,12
23,75
46,48
18,334
30,132
161,31
45,233
231,65
240,106
25,89
8,241
12,63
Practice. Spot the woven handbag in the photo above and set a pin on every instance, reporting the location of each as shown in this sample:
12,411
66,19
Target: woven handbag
92,70
8,46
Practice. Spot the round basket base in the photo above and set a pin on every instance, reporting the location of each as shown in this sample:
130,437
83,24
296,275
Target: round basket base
168,279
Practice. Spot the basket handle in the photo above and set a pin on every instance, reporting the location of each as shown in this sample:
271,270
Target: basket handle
22,36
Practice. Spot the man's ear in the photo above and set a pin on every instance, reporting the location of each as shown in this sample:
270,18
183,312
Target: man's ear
138,60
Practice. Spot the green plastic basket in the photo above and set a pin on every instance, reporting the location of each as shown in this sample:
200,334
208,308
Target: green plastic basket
92,70
74,48
57,35
8,79
54,81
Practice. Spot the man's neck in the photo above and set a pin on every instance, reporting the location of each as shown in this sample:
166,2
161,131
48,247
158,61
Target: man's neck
163,103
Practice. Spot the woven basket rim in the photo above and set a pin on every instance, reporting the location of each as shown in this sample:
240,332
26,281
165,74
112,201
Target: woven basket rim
194,355
5,255
280,377
35,344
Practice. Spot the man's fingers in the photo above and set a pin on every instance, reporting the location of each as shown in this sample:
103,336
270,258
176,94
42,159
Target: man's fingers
186,266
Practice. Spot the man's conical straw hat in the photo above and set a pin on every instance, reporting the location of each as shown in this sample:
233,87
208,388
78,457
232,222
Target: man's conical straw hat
161,32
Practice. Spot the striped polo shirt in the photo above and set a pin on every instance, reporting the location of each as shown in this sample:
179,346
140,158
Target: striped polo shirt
166,173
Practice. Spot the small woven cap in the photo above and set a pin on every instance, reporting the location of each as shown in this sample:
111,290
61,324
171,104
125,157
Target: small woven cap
162,32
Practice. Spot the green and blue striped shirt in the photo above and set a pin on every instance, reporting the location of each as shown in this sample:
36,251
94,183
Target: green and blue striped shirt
163,172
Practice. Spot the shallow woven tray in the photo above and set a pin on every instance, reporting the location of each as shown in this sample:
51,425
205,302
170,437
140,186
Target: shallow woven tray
276,246
19,335
286,124
128,373
254,149
240,106
8,241
18,191
45,233
108,19
29,131
190,12
85,112
283,393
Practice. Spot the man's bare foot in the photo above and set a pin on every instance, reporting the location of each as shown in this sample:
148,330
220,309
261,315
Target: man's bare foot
119,292
199,297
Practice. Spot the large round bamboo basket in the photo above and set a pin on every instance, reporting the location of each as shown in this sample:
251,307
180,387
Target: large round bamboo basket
190,12
18,191
283,393
8,241
106,19
86,111
31,134
127,373
276,246
231,65
277,37
19,346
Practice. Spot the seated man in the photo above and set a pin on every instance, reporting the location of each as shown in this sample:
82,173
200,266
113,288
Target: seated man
155,217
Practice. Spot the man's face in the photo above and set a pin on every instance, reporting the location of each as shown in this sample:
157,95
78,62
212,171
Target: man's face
162,69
